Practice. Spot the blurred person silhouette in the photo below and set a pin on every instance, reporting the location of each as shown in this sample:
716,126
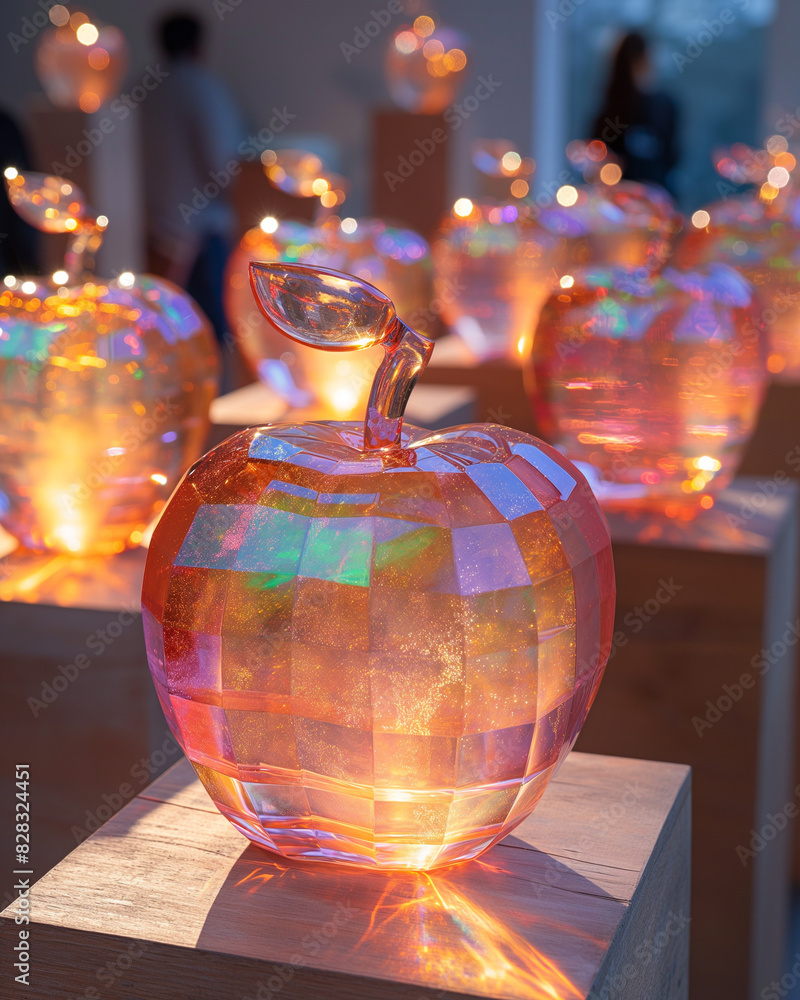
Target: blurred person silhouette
637,123
19,242
192,129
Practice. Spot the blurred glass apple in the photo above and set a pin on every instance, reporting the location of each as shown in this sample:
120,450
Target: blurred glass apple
80,62
395,260
652,385
426,65
105,388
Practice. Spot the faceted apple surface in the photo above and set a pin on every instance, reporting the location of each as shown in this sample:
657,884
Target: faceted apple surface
378,658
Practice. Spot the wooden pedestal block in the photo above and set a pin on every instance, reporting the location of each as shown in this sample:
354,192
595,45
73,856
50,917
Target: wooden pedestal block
433,407
501,396
703,672
588,897
774,449
409,169
78,705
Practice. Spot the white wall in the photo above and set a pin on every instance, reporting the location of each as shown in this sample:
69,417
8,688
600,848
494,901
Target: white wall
288,53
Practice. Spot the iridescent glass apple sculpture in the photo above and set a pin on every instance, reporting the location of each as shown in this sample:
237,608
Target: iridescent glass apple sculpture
80,63
376,643
396,260
105,388
752,235
651,385
494,267
614,224
426,65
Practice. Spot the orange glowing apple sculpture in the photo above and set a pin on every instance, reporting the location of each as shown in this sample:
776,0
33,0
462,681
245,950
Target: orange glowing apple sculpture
610,222
426,66
80,63
651,385
758,233
396,260
494,265
376,643
494,268
104,388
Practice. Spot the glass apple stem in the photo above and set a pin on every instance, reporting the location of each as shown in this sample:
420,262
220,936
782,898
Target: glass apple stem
407,353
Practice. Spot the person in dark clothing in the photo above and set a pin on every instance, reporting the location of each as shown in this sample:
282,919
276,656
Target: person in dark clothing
19,242
637,124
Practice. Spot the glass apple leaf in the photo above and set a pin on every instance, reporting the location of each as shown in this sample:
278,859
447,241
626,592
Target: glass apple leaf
49,203
322,308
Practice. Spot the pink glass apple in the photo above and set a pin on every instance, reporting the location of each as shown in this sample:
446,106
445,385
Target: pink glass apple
375,643
758,234
426,65
80,62
615,224
652,386
396,260
106,387
494,267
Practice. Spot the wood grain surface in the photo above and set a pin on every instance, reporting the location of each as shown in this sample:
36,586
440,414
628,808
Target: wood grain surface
588,897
